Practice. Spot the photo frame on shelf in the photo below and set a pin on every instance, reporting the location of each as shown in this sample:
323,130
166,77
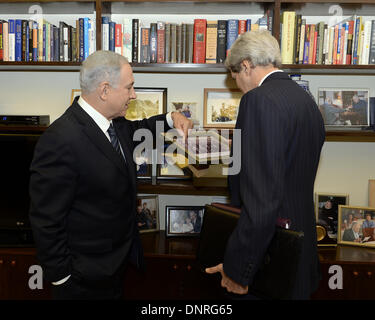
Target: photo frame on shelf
149,102
170,170
75,93
147,217
221,107
326,211
183,221
188,109
356,226
371,193
144,166
344,107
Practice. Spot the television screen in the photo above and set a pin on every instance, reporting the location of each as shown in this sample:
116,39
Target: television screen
15,159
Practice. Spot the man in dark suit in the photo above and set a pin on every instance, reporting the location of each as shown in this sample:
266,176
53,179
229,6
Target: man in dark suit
83,185
282,133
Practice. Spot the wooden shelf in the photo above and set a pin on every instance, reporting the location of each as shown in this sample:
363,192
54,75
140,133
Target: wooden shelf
350,136
329,69
179,187
22,129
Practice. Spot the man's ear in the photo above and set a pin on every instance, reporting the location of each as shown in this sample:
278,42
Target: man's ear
103,90
246,65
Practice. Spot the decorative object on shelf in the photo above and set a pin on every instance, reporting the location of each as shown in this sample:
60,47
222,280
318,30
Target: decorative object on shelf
150,102
144,167
326,210
171,168
184,220
147,213
371,193
344,107
188,109
221,107
356,226
304,84
75,93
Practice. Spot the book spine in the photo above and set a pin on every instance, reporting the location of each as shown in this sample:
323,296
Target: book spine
173,57
12,40
331,44
25,41
302,41
112,36
183,42
161,42
167,42
52,43
18,43
335,45
356,36
307,45
321,43
199,54
248,24
81,40
298,38
118,38
145,45
86,37
105,33
325,45
221,41
241,26
35,41
360,41
127,36
66,42
312,43
190,43
263,24
135,26
153,43
178,43
366,42
56,32
6,41
30,29
372,44
211,40
288,33
350,42
345,43
1,42
232,33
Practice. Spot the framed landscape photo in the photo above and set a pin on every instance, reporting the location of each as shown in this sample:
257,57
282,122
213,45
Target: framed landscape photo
147,217
184,220
344,107
220,108
326,210
149,102
356,226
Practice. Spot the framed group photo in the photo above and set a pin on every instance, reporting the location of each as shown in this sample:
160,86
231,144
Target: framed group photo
188,109
326,210
344,107
220,108
147,217
356,226
149,102
184,220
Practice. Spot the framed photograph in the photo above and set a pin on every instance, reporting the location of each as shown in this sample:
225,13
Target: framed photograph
184,220
220,107
344,107
188,109
147,213
150,102
144,166
170,170
356,226
75,93
326,210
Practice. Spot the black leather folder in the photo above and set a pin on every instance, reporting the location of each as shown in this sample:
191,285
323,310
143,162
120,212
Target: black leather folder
275,279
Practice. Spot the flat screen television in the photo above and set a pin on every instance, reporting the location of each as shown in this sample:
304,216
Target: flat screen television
15,158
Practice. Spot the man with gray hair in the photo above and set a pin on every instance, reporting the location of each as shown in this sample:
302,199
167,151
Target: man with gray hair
282,136
83,185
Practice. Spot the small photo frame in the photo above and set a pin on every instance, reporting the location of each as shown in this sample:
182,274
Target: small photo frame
326,210
75,93
188,109
356,226
144,166
149,102
220,107
184,221
344,107
170,170
147,216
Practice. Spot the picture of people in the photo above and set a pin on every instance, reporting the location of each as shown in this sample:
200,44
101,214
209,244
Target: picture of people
221,107
349,107
184,221
327,211
147,217
188,109
357,226
149,102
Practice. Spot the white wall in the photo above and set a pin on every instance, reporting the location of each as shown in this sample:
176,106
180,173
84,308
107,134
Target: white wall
345,167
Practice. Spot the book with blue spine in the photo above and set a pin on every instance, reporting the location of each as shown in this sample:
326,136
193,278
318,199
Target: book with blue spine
35,41
232,32
85,38
112,36
18,36
371,59
12,39
355,47
248,25
27,47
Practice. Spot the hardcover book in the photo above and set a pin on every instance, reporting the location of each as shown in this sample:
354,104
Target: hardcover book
211,41
221,41
199,51
161,42
232,33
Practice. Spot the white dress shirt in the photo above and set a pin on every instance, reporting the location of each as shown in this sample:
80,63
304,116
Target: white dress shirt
103,123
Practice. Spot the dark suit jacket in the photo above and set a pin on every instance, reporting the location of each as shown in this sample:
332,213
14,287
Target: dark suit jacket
282,133
83,197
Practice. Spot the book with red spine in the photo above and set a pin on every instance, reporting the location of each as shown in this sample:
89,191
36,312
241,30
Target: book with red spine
199,43
118,38
160,56
350,42
241,26
335,41
314,49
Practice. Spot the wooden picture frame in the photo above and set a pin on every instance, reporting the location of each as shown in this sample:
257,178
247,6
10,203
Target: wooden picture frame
356,226
180,221
326,213
149,102
220,108
147,216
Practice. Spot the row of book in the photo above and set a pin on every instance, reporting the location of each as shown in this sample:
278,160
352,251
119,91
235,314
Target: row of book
203,41
29,40
351,41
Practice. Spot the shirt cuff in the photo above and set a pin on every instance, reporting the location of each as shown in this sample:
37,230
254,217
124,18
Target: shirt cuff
169,119
61,281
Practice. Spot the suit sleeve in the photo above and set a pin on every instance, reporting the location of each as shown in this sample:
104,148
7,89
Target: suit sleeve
261,186
52,188
150,123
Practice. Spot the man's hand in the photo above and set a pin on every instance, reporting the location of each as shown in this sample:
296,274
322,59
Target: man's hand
181,123
227,282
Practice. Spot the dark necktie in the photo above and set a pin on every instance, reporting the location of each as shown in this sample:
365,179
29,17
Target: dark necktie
114,140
